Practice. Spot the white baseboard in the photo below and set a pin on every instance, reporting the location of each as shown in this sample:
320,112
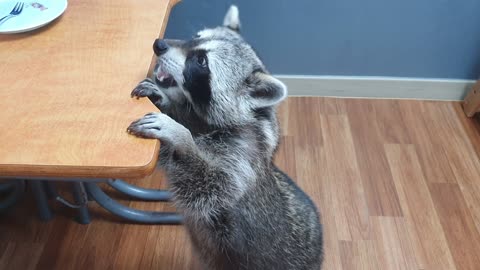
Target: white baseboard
376,87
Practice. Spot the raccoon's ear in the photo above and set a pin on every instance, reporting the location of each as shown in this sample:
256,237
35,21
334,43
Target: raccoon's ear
232,19
265,90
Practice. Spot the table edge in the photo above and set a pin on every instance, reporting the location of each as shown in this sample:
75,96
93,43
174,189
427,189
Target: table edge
67,171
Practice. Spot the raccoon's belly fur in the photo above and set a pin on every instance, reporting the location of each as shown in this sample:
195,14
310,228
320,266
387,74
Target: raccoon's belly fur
274,226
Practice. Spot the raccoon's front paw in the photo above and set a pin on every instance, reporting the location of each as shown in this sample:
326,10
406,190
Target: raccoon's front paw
146,88
161,126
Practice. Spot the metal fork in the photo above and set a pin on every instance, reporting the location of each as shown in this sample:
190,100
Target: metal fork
17,9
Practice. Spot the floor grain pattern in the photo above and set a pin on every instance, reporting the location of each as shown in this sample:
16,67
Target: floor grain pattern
397,182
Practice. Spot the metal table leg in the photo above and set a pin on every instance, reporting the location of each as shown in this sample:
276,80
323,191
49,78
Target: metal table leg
39,193
6,186
50,189
42,187
80,197
129,213
138,192
15,189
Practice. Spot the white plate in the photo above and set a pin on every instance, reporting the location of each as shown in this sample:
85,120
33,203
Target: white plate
35,14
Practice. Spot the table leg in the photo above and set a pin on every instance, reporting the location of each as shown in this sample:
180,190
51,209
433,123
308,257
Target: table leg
15,189
129,213
51,190
6,186
81,198
140,193
44,211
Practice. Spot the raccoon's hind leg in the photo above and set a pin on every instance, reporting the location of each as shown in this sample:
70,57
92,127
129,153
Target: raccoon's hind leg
148,88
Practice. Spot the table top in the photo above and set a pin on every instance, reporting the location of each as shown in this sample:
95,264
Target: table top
65,92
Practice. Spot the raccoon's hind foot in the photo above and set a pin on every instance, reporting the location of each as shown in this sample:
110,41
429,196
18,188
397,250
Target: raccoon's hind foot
160,126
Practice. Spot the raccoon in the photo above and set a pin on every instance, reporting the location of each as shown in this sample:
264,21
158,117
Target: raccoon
219,132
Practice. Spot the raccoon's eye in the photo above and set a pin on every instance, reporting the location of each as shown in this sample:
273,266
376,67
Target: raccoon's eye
202,61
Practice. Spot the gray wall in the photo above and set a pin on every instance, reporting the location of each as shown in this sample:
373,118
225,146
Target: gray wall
402,38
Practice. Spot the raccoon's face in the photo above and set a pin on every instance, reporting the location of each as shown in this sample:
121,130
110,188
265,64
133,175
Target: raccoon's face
218,73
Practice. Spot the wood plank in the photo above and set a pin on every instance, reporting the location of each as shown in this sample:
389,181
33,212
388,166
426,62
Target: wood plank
133,255
173,248
330,106
70,241
393,244
427,130
55,244
423,224
20,225
471,126
358,255
21,256
391,123
462,235
309,121
343,176
462,157
375,174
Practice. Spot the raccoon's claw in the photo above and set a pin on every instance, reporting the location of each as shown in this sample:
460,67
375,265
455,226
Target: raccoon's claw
143,127
161,126
145,88
149,115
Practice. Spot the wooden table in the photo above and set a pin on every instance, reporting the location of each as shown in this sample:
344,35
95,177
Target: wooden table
65,92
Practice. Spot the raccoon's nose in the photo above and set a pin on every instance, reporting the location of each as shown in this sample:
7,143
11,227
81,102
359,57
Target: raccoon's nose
160,47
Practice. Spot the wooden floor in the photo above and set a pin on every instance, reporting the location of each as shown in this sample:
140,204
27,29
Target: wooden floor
397,183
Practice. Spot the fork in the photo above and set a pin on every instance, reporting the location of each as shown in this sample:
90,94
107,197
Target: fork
17,9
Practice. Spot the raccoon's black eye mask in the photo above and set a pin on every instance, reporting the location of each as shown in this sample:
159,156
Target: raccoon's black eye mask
197,77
